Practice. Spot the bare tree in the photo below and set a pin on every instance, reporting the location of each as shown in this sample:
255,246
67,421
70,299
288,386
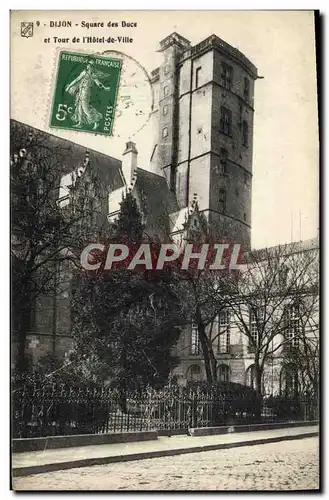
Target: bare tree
43,234
205,292
275,303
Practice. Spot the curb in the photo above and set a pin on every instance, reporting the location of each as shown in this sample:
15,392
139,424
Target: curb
87,462
21,445
224,429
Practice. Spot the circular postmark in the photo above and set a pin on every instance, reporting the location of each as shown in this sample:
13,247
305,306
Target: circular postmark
106,93
135,101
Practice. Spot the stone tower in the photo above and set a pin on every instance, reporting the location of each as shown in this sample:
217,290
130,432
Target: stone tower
205,140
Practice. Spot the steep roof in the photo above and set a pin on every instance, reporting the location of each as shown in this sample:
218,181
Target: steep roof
108,169
156,199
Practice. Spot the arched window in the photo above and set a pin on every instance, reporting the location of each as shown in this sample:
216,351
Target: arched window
289,381
194,373
223,373
251,378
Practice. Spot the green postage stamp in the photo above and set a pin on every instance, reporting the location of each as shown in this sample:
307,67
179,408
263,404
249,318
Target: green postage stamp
85,92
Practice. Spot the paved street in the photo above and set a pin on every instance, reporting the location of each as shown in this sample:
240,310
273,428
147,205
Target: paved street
287,465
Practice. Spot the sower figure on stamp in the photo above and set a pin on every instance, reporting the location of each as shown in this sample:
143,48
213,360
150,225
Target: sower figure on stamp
81,87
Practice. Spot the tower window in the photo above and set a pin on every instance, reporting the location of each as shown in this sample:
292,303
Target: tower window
225,124
226,76
240,116
197,77
166,69
165,132
245,217
223,160
245,133
222,200
245,178
165,90
165,109
246,89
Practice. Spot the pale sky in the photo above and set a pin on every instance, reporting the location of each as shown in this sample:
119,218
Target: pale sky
279,43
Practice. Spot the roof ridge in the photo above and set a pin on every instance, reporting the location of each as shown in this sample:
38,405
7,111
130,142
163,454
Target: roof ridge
65,140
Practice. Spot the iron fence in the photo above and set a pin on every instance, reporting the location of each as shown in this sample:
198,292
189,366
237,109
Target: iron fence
40,410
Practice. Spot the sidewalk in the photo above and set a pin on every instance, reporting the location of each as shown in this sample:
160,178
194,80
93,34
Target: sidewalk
67,458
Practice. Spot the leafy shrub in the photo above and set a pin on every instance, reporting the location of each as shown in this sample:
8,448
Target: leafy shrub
284,408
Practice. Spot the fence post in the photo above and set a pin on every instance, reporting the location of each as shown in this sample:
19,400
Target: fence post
194,410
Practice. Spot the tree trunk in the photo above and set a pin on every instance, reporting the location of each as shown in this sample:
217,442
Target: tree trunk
205,352
21,364
213,362
204,345
258,388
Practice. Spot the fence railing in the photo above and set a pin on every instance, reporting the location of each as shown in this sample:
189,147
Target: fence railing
61,410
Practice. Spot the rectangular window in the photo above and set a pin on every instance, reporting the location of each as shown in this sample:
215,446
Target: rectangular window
165,109
222,200
197,77
245,178
223,373
165,132
292,326
224,337
246,89
255,327
223,160
225,124
165,90
195,342
226,76
245,133
245,217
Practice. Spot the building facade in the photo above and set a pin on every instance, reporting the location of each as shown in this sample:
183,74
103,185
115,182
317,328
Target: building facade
202,151
291,325
204,122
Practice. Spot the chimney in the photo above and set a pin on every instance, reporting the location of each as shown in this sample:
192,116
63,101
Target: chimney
129,162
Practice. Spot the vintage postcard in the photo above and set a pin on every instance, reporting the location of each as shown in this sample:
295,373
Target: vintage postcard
164,173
